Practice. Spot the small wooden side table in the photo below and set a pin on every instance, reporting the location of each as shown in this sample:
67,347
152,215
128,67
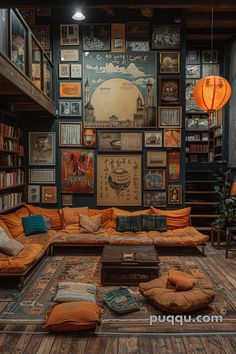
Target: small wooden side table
218,232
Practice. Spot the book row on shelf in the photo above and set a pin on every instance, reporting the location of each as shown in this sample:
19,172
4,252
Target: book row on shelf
10,131
10,200
197,148
196,158
11,145
11,179
203,136
10,160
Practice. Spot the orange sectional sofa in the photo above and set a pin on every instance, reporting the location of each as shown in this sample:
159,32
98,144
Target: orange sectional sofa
66,231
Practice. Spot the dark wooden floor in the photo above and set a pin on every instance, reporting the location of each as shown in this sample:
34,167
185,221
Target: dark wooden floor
24,340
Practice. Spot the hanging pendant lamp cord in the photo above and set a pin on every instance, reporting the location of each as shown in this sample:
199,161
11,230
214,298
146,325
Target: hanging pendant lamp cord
212,34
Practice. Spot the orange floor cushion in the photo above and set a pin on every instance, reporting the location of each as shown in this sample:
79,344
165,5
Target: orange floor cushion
175,219
53,214
181,280
13,221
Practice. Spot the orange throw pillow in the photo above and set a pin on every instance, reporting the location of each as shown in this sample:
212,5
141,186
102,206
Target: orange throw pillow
13,221
53,214
175,219
106,216
71,217
73,316
181,281
116,211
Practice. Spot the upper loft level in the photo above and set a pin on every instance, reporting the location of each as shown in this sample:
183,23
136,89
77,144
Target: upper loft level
26,71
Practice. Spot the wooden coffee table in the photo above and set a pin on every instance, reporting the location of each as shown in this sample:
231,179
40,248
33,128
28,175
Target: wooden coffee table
120,268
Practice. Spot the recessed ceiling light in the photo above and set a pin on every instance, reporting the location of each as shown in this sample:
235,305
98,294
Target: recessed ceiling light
78,15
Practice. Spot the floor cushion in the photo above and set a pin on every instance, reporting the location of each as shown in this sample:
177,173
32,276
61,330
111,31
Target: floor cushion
71,291
129,238
181,280
72,316
83,238
13,221
54,214
175,219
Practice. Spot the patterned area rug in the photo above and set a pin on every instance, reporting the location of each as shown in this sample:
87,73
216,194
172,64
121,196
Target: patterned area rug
31,305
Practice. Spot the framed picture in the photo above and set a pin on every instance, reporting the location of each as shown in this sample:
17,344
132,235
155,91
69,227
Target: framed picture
193,56
137,36
173,167
76,71
190,84
69,55
210,69
41,148
69,34
170,91
77,171
118,37
153,139
170,117
49,195
209,56
70,89
89,138
193,71
156,158
166,37
137,46
37,55
169,63
42,34
155,179
42,176
33,194
154,198
119,180
64,71
67,199
70,108
172,138
43,11
119,141
174,194
191,123
70,134
191,107
96,37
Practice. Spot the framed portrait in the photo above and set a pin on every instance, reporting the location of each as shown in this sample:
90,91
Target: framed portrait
89,138
42,176
119,180
170,91
118,37
174,194
76,71
67,199
49,195
173,167
156,158
193,71
69,55
169,63
77,171
70,89
70,134
210,69
153,139
190,84
42,34
96,37
69,34
154,198
155,179
172,138
119,141
166,37
209,56
41,148
70,108
33,194
170,117
64,71
193,56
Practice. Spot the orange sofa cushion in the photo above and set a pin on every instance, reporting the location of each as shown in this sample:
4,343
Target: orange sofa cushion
5,228
73,316
53,214
71,217
106,216
13,221
175,219
116,211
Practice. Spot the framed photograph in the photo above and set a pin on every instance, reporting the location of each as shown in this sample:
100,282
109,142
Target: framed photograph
172,138
43,11
89,138
42,176
191,123
166,37
190,84
137,46
170,117
174,194
77,171
191,107
193,56
210,69
42,34
193,71
70,108
119,180
49,195
170,91
69,55
118,141
70,134
118,37
41,148
153,139
67,199
169,63
64,71
154,198
76,71
209,56
173,167
69,34
70,89
33,194
96,37
156,158
154,179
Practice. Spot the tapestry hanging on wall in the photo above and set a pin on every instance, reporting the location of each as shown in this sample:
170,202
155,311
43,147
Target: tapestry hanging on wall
119,90
119,180
77,171
174,167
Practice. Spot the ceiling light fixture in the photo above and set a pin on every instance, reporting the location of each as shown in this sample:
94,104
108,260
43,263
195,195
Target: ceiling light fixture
78,15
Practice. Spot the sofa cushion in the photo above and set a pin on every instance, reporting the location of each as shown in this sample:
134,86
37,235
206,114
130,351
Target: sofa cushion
71,217
12,247
129,223
34,224
50,213
116,211
71,291
129,238
13,221
83,238
154,222
5,228
175,219
3,237
72,316
106,216
90,223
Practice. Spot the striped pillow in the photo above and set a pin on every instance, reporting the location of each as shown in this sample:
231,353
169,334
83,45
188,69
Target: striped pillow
34,224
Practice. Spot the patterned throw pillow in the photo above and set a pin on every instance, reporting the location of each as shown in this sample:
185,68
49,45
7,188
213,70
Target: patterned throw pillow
128,223
154,222
48,222
69,291
121,301
12,247
4,238
90,223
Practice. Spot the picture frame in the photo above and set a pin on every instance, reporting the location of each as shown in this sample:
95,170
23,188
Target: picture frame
42,34
49,195
169,117
42,176
169,91
193,71
70,89
70,134
155,199
70,108
97,37
64,71
172,138
156,158
69,34
191,107
75,71
175,192
209,56
109,141
210,69
169,62
118,37
34,194
173,166
67,199
193,56
89,138
153,139
154,179
189,87
70,55
41,148
166,37
138,31
137,46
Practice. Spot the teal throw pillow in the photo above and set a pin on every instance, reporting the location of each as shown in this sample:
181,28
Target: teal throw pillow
34,224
